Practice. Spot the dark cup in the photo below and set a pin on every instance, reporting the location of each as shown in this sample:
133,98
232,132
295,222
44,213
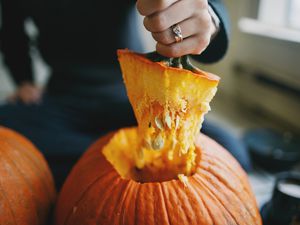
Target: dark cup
284,207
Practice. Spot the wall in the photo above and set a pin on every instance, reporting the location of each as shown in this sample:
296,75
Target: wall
256,50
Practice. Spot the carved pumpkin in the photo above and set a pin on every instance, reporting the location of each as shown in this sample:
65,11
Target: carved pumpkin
27,190
162,172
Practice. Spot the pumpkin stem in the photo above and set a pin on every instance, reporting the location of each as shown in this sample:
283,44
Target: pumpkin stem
180,62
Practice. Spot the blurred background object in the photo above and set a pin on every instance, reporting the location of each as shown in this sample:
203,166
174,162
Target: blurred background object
260,85
284,206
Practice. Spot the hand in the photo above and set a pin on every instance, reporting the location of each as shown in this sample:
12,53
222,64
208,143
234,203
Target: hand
193,18
27,93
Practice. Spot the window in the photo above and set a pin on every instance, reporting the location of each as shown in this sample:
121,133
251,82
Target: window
294,19
284,13
279,19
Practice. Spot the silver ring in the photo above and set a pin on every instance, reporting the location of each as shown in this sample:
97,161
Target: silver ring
177,31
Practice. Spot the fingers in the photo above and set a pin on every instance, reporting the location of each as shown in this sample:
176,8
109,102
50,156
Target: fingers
176,13
31,97
189,27
28,94
192,45
148,7
193,18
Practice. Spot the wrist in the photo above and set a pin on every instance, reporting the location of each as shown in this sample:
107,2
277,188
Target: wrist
215,21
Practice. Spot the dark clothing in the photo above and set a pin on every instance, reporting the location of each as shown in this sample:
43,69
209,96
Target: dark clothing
85,95
77,33
63,126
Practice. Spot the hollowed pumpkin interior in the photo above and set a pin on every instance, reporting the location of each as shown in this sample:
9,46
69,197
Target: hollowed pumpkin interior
169,105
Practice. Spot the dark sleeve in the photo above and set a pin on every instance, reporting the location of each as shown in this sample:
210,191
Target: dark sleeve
14,43
218,46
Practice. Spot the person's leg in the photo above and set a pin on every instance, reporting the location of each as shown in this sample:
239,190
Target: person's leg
228,141
52,129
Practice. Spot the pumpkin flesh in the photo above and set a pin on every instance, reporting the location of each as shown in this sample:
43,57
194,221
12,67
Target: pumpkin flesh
169,105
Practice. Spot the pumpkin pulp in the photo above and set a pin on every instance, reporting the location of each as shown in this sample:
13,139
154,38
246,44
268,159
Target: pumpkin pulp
169,103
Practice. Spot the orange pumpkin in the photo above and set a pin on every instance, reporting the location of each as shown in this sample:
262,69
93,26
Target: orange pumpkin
129,177
27,190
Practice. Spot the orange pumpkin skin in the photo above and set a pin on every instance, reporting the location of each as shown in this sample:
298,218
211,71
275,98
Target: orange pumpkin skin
27,190
218,193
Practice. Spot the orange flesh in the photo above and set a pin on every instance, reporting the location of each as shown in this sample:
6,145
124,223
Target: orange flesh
169,105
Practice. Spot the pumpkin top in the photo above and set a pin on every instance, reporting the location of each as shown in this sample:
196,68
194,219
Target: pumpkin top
162,62
169,104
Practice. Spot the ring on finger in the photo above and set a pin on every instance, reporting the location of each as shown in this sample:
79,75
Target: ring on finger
177,33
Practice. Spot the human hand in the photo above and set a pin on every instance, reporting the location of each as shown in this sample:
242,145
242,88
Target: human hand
193,17
27,93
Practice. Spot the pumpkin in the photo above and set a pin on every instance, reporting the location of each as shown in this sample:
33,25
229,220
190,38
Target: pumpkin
163,171
27,191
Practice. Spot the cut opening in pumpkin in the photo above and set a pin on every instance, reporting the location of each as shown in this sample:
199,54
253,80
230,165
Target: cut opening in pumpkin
169,104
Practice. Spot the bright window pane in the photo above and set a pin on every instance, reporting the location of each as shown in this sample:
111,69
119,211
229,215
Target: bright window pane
273,11
295,14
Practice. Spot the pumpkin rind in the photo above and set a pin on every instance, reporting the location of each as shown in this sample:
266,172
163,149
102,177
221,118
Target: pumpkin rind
218,193
27,190
169,105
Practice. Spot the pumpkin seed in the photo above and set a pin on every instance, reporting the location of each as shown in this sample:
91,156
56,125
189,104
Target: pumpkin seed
183,179
159,123
168,121
158,143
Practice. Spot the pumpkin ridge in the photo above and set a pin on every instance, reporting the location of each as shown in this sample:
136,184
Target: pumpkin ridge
26,183
172,196
219,156
120,187
12,171
82,196
193,180
181,190
136,208
41,174
203,206
70,218
30,187
221,161
129,194
227,184
164,202
42,207
120,207
8,203
219,199
225,214
116,180
248,209
222,166
214,168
